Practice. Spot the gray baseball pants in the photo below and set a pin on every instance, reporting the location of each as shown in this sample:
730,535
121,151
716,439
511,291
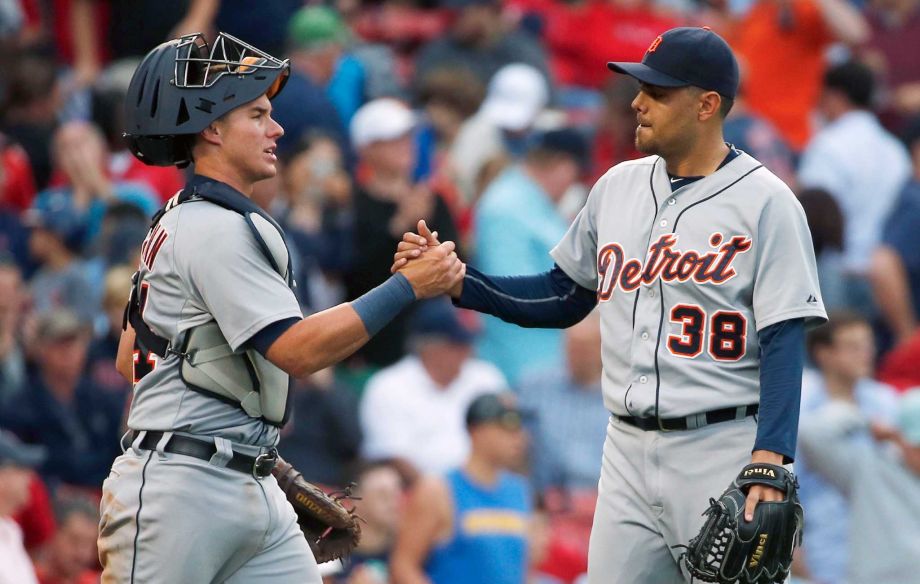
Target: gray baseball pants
174,519
653,489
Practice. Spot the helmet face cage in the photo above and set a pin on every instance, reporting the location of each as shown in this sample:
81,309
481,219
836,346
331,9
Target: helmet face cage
201,66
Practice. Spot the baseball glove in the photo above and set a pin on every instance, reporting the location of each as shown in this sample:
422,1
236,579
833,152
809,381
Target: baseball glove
331,529
729,549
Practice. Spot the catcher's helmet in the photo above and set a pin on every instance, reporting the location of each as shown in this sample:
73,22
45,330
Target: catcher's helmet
184,84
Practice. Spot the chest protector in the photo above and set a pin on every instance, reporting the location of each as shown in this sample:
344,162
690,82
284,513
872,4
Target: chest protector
209,366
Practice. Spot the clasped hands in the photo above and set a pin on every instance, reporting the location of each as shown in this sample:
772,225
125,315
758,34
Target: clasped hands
432,268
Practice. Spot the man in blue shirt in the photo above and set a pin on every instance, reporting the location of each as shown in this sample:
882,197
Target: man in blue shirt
517,224
472,524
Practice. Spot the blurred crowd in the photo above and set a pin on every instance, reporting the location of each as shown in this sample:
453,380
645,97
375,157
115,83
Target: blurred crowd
475,444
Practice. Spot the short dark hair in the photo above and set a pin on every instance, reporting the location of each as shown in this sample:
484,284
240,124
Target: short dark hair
824,217
823,336
456,87
726,106
854,80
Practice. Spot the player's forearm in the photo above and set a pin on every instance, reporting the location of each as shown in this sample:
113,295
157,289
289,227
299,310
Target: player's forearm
844,21
327,337
892,295
318,341
780,387
548,300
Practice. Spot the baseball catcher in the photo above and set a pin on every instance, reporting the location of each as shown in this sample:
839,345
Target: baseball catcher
729,549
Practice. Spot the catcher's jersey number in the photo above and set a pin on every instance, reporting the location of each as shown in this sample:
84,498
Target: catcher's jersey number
726,338
144,361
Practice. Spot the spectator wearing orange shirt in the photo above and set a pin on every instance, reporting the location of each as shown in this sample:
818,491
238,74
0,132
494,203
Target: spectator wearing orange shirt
781,46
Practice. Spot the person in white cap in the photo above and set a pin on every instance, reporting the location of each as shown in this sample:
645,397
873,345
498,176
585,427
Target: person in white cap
881,479
387,202
517,94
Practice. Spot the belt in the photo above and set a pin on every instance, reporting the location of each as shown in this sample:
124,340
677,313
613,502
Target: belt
258,466
692,421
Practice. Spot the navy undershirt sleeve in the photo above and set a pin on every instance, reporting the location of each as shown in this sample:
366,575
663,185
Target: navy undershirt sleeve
781,362
264,339
548,300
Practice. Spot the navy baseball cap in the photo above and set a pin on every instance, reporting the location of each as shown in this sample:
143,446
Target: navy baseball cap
686,56
437,317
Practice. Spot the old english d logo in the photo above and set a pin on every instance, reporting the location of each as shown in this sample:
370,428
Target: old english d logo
654,45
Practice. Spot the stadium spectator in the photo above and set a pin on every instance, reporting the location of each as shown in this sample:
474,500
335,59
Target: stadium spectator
315,210
895,267
893,51
323,436
350,72
12,357
413,410
100,366
472,524
781,45
16,463
79,424
380,499
304,107
755,135
70,557
37,518
510,242
899,367
843,352
17,187
81,160
860,164
582,36
877,469
33,98
101,30
55,242
501,129
540,539
450,97
387,203
826,224
263,28
615,131
481,41
570,420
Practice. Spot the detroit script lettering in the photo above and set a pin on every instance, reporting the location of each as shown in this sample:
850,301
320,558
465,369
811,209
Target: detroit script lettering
667,262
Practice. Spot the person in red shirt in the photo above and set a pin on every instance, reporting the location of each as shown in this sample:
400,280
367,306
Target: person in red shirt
17,187
781,46
581,36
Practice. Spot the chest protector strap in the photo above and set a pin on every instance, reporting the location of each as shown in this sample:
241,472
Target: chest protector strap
244,378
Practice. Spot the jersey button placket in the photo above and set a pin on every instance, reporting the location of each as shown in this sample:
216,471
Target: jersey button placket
644,336
643,379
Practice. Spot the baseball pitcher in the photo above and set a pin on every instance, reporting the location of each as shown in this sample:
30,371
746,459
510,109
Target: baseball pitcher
702,264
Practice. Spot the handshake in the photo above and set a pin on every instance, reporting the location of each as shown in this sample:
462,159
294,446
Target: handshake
432,268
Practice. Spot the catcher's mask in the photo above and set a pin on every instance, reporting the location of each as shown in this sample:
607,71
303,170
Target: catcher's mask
185,84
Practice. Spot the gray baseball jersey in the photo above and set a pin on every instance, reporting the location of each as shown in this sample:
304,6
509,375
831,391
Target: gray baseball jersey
202,263
686,280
